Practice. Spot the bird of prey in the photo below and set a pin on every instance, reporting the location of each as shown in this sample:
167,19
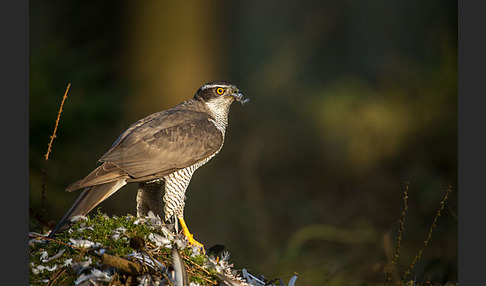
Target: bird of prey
159,151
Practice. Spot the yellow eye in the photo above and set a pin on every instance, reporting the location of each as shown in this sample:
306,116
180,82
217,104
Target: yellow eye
220,90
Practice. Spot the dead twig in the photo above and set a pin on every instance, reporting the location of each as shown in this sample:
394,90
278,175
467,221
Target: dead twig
429,235
186,258
49,148
393,263
125,265
53,240
194,263
57,275
202,277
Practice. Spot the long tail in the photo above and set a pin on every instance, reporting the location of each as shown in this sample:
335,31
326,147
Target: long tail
87,200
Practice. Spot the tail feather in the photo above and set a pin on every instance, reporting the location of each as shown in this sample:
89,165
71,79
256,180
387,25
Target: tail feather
89,198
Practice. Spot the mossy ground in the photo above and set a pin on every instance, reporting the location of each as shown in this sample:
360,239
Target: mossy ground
110,235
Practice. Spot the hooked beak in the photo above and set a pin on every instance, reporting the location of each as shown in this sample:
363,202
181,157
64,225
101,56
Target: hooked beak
240,98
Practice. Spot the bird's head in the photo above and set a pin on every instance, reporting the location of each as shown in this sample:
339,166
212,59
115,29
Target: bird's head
220,91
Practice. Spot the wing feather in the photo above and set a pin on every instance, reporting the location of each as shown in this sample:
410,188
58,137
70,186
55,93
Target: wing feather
105,173
165,143
157,145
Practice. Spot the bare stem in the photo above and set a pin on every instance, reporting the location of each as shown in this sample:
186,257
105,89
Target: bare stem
399,237
49,148
429,235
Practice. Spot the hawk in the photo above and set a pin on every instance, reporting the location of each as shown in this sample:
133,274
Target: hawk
162,150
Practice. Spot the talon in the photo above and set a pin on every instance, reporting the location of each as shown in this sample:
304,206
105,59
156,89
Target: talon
189,236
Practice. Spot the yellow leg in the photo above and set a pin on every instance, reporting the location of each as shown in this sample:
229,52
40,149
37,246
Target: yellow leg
189,235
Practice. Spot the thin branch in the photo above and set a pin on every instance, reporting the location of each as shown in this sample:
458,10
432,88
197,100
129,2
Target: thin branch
49,149
429,235
57,275
53,240
57,123
125,265
399,238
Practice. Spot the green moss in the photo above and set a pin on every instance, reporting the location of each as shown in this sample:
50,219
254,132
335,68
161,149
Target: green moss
112,234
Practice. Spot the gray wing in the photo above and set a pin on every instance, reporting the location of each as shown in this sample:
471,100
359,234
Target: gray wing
156,146
165,144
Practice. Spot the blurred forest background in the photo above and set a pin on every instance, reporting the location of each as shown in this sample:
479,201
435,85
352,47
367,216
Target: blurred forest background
349,100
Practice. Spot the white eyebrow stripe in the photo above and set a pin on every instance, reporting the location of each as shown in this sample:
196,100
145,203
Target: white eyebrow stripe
213,85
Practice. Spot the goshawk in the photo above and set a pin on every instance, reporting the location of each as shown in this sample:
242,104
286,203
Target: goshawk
159,151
